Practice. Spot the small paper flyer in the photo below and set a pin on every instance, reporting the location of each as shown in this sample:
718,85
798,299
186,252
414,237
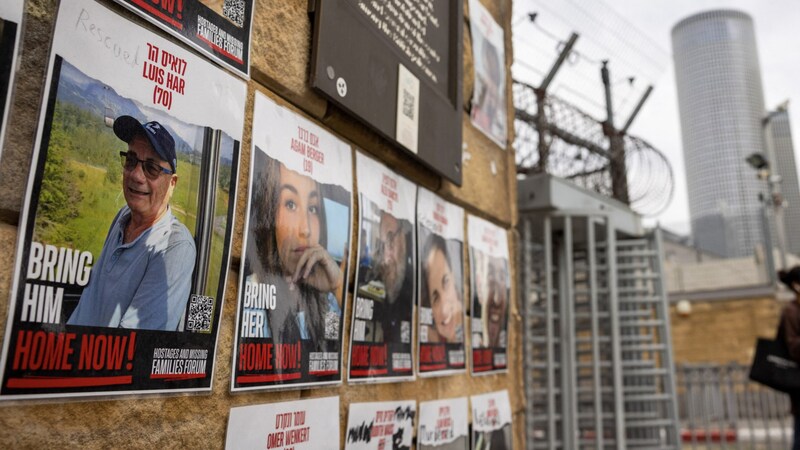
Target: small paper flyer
491,421
443,425
442,311
491,290
488,112
311,424
381,333
380,425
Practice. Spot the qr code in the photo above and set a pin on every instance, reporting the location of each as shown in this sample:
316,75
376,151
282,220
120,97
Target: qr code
331,325
201,310
405,332
408,104
234,11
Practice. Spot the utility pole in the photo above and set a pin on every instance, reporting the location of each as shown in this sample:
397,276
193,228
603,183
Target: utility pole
541,93
616,147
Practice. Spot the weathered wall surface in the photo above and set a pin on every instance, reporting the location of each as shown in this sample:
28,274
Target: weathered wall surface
280,58
723,331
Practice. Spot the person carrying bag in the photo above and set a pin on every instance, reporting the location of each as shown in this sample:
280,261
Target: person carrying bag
777,363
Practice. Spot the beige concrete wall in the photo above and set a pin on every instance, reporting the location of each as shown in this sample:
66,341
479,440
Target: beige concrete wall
723,331
280,68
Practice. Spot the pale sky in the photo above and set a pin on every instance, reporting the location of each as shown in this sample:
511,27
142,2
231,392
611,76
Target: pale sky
777,28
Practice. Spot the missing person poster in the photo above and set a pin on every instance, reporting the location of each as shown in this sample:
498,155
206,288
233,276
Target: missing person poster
443,425
10,31
491,421
380,425
220,29
310,424
383,300
488,112
123,247
491,290
296,246
442,315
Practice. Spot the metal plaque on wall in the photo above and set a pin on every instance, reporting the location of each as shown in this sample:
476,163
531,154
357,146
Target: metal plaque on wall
396,66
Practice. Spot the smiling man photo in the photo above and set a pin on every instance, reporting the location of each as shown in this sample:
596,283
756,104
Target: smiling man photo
143,276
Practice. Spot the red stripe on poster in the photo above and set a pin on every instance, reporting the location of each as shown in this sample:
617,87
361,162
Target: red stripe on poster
219,49
60,382
147,7
244,379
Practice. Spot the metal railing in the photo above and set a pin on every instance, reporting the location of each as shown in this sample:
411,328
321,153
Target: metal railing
719,407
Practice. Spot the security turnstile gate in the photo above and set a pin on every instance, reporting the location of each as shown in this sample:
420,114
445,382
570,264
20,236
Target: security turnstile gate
598,356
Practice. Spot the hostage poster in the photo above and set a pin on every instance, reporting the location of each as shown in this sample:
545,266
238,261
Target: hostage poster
296,247
490,289
383,300
220,29
380,425
123,247
311,424
443,425
442,315
491,421
10,31
488,112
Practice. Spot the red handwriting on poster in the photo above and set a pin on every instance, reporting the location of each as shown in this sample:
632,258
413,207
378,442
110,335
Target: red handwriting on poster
41,303
382,426
269,356
40,350
490,238
389,190
440,218
166,71
306,144
290,430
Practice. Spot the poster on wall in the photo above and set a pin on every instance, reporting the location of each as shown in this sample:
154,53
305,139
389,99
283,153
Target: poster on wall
491,421
10,32
443,425
383,300
442,315
488,112
296,246
380,425
490,290
122,255
300,425
220,29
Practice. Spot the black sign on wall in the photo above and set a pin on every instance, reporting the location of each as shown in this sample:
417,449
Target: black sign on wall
396,66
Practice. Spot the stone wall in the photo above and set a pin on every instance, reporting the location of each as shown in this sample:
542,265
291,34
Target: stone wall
280,57
723,331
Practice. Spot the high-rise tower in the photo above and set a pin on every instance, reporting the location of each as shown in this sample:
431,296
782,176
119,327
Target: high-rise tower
782,161
721,104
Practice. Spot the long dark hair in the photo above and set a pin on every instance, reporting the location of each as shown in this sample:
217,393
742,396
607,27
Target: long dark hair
790,278
263,258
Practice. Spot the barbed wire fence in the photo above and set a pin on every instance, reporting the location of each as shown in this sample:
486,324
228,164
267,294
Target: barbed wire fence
557,129
577,147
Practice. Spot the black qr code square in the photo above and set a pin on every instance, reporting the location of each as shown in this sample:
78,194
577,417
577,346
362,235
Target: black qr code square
201,310
234,11
331,325
408,104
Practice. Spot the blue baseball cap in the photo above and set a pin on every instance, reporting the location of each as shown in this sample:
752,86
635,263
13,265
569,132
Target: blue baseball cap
126,127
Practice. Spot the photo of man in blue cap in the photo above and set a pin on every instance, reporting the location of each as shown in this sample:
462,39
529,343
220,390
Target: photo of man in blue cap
143,276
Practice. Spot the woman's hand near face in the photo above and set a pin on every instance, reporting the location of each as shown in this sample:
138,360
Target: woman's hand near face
318,269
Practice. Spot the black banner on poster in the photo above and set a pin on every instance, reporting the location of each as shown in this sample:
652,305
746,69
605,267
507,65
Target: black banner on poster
297,242
491,290
123,243
383,301
442,315
220,29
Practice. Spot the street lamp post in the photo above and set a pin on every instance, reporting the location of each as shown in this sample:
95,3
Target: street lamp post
774,199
